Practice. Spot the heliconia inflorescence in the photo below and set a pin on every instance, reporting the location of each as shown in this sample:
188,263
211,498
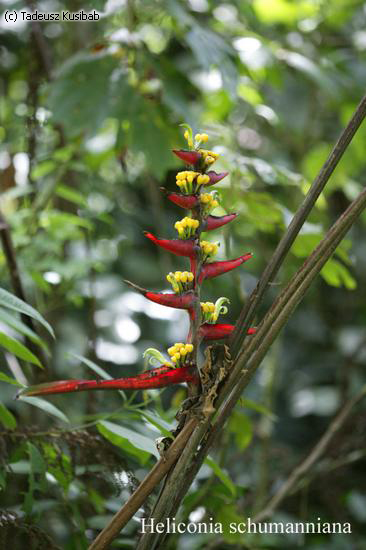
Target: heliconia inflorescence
180,364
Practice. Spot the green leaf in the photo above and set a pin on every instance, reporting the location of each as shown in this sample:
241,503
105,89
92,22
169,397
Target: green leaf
241,427
97,369
82,76
22,328
156,421
37,462
46,407
93,366
18,349
43,169
8,380
58,464
249,404
12,302
336,274
140,446
71,195
56,221
6,418
221,475
37,466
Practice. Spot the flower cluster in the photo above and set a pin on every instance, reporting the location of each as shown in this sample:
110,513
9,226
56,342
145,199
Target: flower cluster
208,249
180,354
186,227
209,157
186,285
190,181
210,312
209,201
181,281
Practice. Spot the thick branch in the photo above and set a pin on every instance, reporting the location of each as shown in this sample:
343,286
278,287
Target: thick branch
284,306
247,314
172,487
247,364
152,479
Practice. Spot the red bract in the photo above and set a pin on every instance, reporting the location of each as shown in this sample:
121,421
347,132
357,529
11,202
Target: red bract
219,331
184,201
180,301
189,157
215,178
179,247
218,268
213,222
186,287
154,378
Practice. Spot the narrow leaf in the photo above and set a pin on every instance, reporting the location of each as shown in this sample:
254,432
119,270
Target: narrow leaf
45,406
8,380
22,328
217,470
129,440
18,349
158,422
97,369
12,302
6,418
93,366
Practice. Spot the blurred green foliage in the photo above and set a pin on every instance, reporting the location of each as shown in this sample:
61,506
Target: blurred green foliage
89,113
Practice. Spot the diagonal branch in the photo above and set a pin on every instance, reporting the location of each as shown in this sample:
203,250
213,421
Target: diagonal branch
283,307
314,455
145,488
249,361
247,313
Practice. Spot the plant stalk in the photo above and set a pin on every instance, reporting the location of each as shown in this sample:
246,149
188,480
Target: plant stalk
279,255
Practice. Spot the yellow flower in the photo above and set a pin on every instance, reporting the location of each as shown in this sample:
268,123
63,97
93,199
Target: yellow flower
203,179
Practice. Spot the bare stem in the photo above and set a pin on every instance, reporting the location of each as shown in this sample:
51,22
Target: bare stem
201,436
248,362
248,312
137,499
314,455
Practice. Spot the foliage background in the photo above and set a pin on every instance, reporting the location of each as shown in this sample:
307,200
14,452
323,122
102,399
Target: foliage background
89,114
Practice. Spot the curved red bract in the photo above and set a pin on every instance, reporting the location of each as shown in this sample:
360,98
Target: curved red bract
155,378
214,269
179,247
180,301
213,222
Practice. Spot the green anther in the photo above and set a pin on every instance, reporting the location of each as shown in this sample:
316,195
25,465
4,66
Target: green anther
220,309
153,357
